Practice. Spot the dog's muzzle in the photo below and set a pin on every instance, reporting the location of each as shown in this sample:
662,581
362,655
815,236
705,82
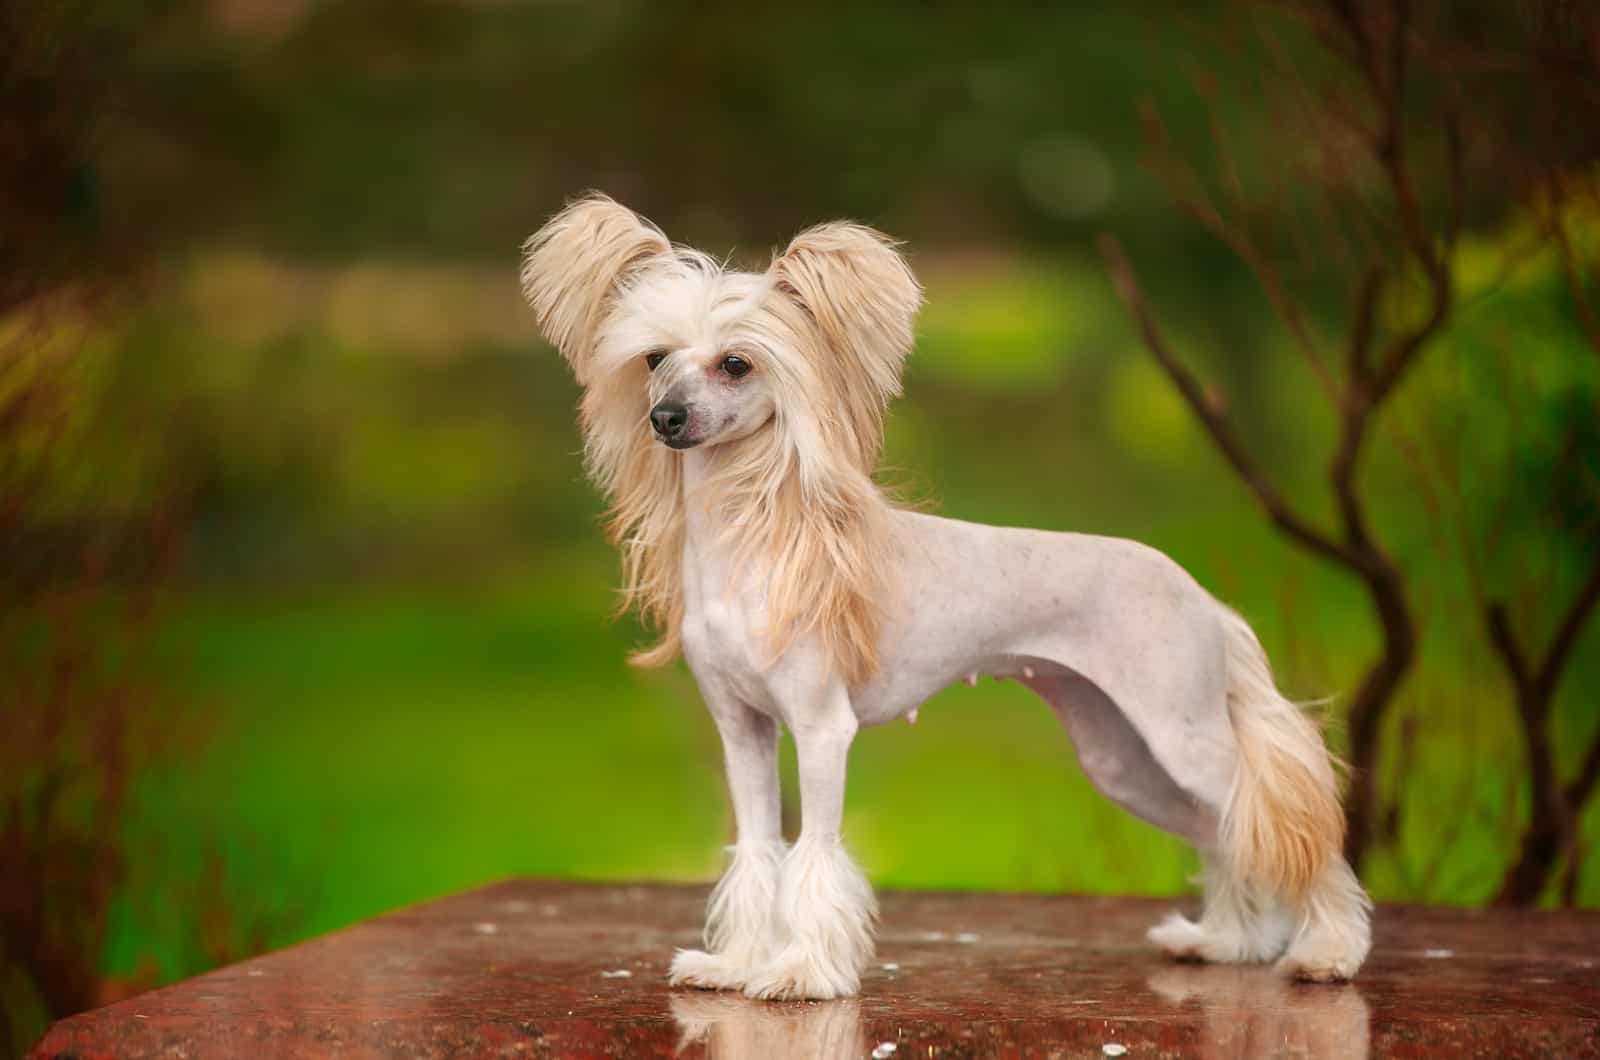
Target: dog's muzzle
670,419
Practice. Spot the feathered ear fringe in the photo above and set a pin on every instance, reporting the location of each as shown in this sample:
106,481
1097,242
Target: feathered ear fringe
576,263
572,270
804,518
823,554
860,292
824,522
643,481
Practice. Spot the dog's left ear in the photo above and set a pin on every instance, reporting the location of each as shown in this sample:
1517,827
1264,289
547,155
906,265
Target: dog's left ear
574,266
861,293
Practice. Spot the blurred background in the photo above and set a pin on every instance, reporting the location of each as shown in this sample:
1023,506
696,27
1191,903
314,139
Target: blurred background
305,611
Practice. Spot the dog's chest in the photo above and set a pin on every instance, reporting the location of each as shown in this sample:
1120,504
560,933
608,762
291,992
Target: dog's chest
721,644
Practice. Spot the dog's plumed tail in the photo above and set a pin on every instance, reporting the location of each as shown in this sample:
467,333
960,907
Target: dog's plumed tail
1282,824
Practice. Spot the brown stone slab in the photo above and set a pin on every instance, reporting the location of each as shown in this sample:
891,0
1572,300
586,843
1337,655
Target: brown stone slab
530,968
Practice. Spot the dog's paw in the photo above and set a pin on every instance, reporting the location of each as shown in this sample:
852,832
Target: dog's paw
1181,938
1221,943
1322,960
1329,951
793,977
1326,969
707,971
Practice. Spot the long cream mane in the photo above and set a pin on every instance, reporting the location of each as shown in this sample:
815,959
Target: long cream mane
643,481
796,500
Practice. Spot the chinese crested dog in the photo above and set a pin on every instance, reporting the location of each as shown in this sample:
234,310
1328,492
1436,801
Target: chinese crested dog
734,421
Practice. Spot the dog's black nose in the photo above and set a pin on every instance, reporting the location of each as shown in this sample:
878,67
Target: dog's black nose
669,418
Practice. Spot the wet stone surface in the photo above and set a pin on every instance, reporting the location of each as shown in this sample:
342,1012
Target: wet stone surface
533,968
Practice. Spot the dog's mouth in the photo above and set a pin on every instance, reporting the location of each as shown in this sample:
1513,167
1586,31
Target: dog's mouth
679,443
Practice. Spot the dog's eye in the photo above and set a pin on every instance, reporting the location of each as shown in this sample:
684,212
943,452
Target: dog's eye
653,359
735,365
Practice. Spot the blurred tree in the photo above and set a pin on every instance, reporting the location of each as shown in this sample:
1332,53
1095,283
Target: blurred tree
1400,125
94,508
57,65
1572,481
73,646
84,708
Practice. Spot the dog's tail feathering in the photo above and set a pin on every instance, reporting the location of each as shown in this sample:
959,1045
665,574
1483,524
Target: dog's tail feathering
1282,823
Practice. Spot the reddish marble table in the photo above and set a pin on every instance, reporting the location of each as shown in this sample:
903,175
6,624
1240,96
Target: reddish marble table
534,968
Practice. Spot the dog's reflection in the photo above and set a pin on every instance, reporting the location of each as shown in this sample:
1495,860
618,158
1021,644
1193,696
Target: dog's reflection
1256,1012
733,1027
1246,1011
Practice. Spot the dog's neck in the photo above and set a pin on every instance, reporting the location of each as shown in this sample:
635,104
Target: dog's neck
816,562
695,471
699,485
708,568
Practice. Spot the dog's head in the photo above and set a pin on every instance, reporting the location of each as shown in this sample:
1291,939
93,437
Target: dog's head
675,349
784,372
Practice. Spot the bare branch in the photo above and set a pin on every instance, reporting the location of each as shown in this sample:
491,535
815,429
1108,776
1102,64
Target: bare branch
1355,29
1359,348
1457,167
1505,645
1552,830
1189,193
1569,266
1568,632
1212,414
1583,782
1402,352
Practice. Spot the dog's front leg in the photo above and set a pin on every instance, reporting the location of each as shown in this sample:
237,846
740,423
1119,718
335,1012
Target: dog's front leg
826,910
740,932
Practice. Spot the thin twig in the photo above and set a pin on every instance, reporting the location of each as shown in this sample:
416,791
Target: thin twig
1568,632
1574,275
1359,348
1212,413
1552,829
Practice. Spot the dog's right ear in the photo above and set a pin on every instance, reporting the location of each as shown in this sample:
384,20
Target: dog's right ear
852,281
574,266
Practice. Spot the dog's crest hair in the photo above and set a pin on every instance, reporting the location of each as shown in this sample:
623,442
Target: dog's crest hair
833,317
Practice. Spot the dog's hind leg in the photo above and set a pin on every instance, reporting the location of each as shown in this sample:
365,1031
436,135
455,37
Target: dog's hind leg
1278,876
1241,923
740,931
1325,930
1334,933
1259,802
826,909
